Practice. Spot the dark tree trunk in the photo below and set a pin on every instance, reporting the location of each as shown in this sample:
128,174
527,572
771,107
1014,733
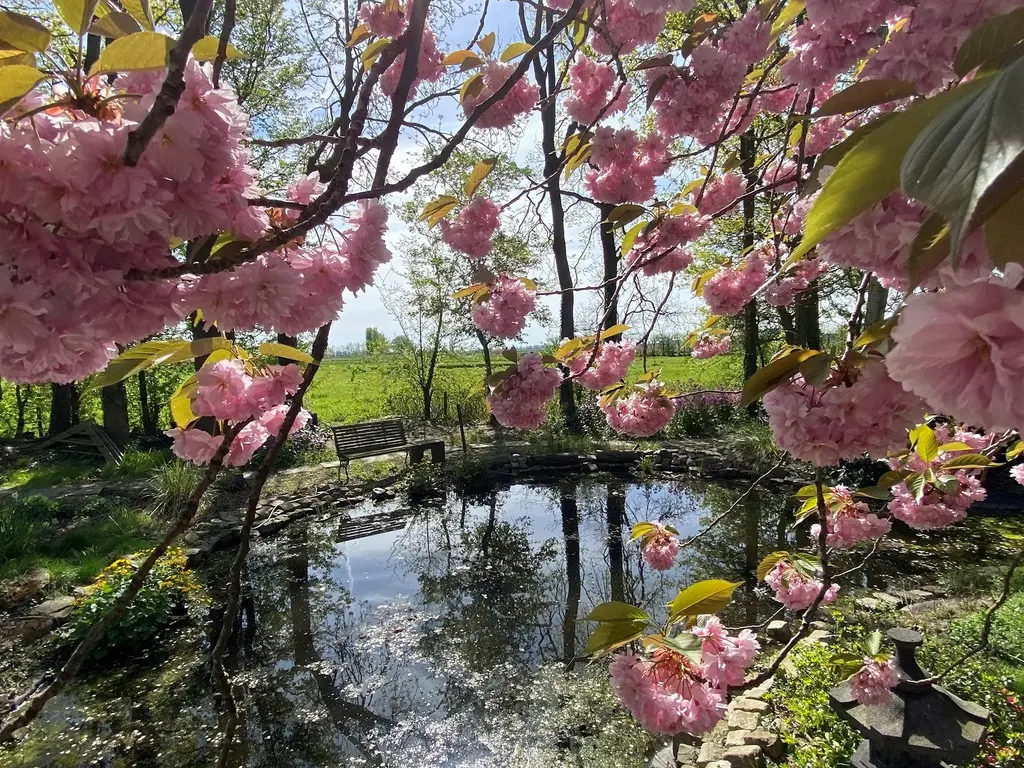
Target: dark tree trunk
288,341
610,256
20,400
428,397
616,514
877,298
61,396
571,538
114,401
149,420
808,328
751,343
76,406
788,329
485,345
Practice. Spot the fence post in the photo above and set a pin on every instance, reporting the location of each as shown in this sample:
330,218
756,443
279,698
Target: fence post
462,429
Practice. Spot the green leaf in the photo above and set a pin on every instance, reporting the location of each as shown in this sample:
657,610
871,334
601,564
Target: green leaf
925,442
140,11
141,51
789,15
708,596
479,173
206,49
639,530
990,40
437,209
864,94
831,157
510,354
807,492
23,32
1014,450
960,164
969,461
114,25
686,643
77,14
892,477
616,611
621,215
876,333
870,171
874,492
874,643
610,635
816,369
17,80
774,374
486,43
286,351
769,562
514,51
915,484
1004,231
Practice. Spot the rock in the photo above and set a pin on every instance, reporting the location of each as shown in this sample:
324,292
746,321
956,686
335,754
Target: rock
886,599
58,609
935,589
748,756
749,705
941,605
759,692
32,628
719,764
746,721
778,630
819,625
736,738
379,494
910,596
818,636
191,538
709,753
25,588
770,743
868,603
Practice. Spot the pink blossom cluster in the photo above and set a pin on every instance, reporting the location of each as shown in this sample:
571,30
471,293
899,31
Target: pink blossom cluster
789,220
626,165
962,350
520,400
518,101
795,590
643,412
226,391
660,547
75,219
722,193
873,683
594,89
936,508
610,364
826,425
696,101
296,289
626,24
386,19
670,694
824,133
729,290
503,313
711,346
1017,473
473,228
796,280
849,521
661,250
429,68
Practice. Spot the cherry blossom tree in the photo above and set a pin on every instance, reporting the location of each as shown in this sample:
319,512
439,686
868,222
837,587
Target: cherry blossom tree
878,139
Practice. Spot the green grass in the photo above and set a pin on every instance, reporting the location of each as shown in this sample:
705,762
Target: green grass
50,471
348,390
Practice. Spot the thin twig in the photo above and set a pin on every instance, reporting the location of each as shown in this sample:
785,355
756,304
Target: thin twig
222,44
732,506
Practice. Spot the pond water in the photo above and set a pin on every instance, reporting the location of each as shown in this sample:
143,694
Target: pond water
438,635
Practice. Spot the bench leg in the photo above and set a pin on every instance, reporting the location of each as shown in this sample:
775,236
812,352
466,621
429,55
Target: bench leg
416,455
437,453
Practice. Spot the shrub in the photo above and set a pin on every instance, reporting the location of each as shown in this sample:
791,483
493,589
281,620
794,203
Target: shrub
703,414
164,596
172,485
310,445
22,521
136,463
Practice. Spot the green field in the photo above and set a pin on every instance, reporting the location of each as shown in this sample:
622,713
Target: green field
355,389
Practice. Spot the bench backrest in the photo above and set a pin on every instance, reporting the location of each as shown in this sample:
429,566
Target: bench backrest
368,436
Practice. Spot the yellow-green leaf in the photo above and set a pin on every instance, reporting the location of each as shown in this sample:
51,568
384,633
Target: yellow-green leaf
629,238
181,403
621,215
568,349
359,34
1014,450
288,352
11,56
1004,231
613,634
775,373
373,50
514,51
23,32
114,25
479,173
77,14
769,562
189,350
708,596
206,49
457,57
472,290
16,81
616,611
870,171
140,11
876,333
576,150
471,88
864,94
969,461
639,530
486,43
614,330
141,51
789,14
925,442
437,209
991,39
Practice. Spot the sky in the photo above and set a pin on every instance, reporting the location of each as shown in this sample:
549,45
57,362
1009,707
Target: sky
523,142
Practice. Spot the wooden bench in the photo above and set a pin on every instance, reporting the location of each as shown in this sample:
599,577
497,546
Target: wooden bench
376,438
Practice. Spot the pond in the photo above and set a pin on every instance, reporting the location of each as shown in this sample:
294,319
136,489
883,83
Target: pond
445,634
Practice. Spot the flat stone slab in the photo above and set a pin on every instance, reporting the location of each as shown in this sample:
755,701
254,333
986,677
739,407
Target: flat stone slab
770,743
749,756
744,721
778,630
58,609
749,705
885,597
709,753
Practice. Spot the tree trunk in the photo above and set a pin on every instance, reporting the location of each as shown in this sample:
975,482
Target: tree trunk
616,518
877,298
20,400
485,345
428,396
571,539
76,406
808,328
60,408
288,341
788,329
751,343
114,401
610,256
149,421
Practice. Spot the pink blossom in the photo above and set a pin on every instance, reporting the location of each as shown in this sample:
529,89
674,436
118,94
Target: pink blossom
518,101
386,19
610,364
936,508
962,350
660,548
504,311
873,684
1017,473
643,412
194,445
626,165
520,400
270,389
661,250
796,591
593,89
725,658
729,290
473,228
826,425
849,521
722,193
794,281
249,440
221,391
711,346
429,68
273,419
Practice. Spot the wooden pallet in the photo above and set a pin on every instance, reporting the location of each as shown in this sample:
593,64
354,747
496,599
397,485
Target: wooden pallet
86,438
